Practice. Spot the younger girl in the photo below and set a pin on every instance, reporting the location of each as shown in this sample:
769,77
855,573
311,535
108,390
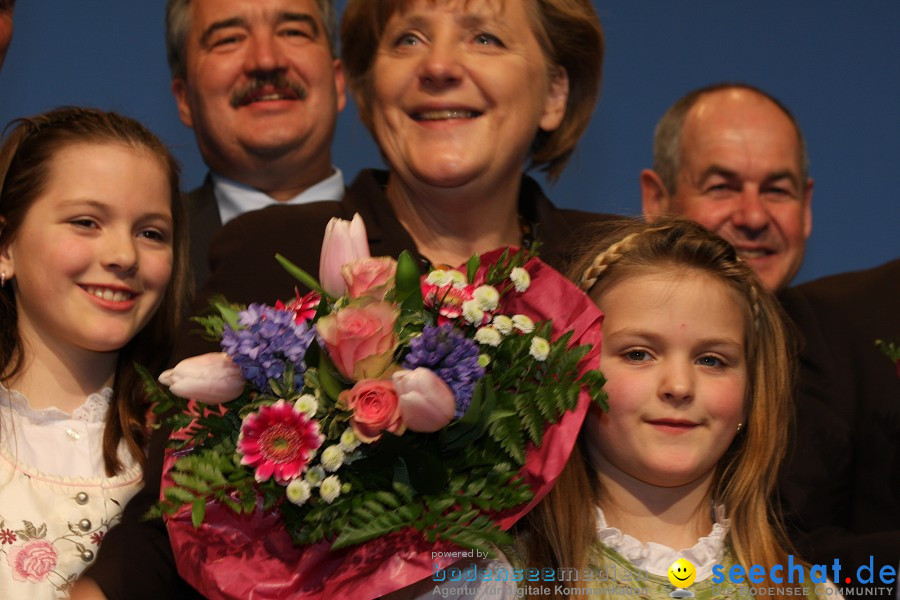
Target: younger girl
91,234
684,462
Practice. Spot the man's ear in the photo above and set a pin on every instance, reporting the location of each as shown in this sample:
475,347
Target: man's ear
179,90
340,84
655,199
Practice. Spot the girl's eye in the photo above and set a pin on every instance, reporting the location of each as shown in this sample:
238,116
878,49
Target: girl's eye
84,223
637,355
488,39
152,234
710,361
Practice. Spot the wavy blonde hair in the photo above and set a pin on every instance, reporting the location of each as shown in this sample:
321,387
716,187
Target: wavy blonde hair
560,532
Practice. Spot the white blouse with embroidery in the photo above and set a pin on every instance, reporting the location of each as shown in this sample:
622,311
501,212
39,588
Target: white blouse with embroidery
56,501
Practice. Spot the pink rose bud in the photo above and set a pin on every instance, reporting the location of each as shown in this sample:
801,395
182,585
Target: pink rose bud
426,401
344,242
209,378
371,277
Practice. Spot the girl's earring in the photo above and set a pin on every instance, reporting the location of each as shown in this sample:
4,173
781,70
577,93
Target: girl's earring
3,279
740,426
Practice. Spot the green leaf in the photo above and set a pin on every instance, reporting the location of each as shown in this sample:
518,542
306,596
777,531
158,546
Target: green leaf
190,482
302,276
329,378
408,287
179,495
229,315
472,267
198,512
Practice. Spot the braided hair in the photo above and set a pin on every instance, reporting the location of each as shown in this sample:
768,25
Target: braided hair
560,531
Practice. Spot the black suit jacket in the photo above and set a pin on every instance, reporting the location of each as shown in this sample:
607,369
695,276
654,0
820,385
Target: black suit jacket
203,221
841,482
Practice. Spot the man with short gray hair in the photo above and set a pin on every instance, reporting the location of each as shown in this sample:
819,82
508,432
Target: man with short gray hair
733,158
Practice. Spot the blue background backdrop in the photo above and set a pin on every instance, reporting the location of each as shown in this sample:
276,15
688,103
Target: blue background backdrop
835,65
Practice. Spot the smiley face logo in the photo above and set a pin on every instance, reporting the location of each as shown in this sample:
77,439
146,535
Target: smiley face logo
682,573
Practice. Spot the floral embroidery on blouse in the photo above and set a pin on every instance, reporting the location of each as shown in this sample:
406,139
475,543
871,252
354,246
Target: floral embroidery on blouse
33,558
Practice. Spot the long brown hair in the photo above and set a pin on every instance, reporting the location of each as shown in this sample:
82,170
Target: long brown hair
561,530
25,161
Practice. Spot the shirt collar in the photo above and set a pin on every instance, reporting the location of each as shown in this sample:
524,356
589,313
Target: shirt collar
234,198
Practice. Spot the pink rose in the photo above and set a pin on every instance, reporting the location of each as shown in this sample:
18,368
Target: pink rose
426,401
360,338
344,242
32,561
375,408
371,277
209,378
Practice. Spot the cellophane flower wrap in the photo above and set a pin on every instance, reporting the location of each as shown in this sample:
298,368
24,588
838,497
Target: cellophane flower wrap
418,415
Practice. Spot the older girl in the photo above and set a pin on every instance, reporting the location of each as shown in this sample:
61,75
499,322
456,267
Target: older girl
92,275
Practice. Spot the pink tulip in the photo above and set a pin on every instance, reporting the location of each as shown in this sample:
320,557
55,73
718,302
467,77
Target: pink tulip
209,378
360,338
344,242
370,277
426,401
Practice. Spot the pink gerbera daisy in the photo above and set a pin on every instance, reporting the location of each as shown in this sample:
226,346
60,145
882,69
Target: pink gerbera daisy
278,441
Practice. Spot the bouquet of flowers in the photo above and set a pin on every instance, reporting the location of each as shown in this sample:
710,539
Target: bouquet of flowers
376,420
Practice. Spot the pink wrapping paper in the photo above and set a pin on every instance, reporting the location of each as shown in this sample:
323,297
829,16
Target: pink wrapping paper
252,557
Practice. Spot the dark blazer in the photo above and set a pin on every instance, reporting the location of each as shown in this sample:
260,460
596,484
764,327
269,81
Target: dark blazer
137,561
242,253
204,221
841,482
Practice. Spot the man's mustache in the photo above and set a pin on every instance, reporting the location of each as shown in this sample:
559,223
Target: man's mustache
279,82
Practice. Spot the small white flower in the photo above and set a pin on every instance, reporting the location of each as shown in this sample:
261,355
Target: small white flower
523,323
437,277
472,312
307,404
520,278
298,491
503,324
332,458
540,348
330,488
483,360
349,442
488,336
487,296
457,278
315,475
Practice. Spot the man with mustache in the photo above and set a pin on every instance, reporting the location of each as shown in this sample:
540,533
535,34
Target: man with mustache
732,158
259,83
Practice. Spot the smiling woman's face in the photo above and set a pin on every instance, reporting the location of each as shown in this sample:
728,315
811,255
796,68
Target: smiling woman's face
460,91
